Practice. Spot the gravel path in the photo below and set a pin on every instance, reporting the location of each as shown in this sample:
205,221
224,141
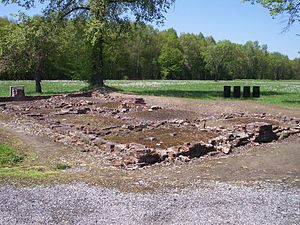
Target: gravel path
214,203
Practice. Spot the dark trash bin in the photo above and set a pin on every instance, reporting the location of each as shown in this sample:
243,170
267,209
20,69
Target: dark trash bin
246,92
256,92
236,91
227,91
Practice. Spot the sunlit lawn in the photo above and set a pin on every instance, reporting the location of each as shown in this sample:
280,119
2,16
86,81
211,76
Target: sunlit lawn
285,93
48,87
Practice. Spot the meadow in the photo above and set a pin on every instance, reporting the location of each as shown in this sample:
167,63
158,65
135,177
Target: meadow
284,93
49,87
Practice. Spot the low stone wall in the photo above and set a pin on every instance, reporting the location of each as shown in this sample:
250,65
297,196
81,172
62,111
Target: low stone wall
27,98
7,99
34,98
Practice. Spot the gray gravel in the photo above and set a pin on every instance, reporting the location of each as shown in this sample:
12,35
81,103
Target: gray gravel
213,203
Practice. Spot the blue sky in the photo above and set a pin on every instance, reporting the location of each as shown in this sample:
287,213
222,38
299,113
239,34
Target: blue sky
226,20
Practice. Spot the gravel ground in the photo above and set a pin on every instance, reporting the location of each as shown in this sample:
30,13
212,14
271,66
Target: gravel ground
212,203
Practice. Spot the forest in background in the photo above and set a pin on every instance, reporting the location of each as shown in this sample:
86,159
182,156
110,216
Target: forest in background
63,51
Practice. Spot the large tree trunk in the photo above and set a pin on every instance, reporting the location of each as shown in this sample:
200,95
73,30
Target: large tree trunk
97,60
38,78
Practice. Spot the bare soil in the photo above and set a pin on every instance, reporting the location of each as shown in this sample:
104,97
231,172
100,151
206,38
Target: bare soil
200,108
162,138
40,126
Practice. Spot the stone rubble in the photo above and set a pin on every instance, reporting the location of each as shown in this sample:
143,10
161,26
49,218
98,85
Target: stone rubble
44,117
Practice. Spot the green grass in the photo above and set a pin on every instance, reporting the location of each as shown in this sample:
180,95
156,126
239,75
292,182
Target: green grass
284,93
30,172
48,87
11,165
9,156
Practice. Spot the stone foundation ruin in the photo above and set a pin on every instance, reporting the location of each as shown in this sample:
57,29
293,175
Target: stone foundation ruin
130,133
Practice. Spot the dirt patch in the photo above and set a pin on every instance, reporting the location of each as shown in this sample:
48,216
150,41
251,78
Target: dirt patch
164,114
273,162
108,105
237,121
88,121
162,138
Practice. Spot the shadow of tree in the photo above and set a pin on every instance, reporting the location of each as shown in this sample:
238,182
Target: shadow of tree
292,101
197,94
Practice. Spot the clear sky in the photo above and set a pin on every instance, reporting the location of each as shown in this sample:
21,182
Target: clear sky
226,20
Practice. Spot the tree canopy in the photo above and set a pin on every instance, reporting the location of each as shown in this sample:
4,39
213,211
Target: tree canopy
140,52
104,17
72,40
276,7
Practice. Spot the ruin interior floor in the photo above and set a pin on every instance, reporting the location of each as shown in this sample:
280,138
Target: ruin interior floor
143,143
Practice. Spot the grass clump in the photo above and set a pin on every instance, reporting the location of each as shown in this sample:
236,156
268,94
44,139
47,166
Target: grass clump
62,166
9,156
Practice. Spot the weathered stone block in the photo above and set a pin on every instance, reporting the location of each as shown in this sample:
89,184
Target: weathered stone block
149,158
195,150
17,91
263,132
144,155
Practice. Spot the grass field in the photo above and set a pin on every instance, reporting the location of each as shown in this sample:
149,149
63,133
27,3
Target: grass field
284,93
48,87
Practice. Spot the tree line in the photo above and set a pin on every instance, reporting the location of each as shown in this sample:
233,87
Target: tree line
35,45
96,39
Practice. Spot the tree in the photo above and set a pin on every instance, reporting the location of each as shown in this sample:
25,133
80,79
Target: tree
10,51
256,57
40,41
144,50
280,67
276,7
296,63
27,46
224,60
194,47
71,58
133,54
104,16
14,63
171,57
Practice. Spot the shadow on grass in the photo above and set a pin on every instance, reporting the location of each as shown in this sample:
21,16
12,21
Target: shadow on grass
49,92
297,102
197,94
61,92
